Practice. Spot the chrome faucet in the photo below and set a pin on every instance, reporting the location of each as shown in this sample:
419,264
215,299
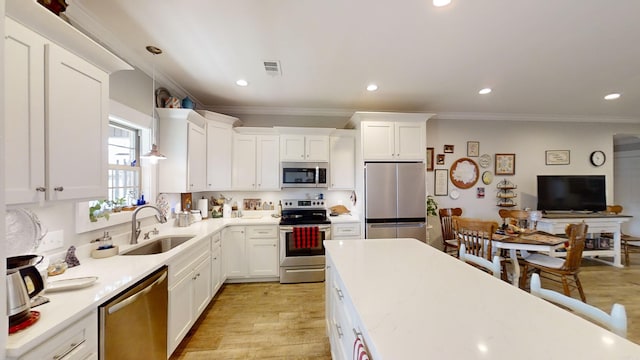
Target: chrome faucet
135,225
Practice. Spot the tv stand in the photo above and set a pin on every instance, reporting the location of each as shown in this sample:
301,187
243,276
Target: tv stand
555,223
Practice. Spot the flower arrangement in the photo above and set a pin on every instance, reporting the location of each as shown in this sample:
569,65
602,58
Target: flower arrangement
432,206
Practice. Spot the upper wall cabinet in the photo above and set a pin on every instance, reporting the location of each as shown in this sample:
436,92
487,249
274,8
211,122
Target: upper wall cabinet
304,148
183,141
392,136
343,160
255,162
52,96
219,145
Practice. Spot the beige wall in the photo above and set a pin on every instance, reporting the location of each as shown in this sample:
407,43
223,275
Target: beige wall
132,88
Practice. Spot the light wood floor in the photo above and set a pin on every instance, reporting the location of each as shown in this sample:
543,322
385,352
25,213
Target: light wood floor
274,321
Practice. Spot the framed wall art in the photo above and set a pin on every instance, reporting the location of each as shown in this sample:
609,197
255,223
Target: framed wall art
473,148
440,159
429,159
557,157
448,149
441,183
505,164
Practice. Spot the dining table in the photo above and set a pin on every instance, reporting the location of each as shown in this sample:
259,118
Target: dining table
537,241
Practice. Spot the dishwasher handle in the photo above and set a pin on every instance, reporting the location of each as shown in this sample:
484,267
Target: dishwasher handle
131,299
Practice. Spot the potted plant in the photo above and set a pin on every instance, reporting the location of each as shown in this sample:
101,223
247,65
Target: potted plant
432,206
99,209
118,204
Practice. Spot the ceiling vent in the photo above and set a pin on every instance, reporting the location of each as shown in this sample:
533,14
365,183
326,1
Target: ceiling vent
272,68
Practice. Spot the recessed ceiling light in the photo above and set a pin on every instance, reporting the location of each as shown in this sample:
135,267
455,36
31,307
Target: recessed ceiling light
484,91
242,82
612,96
372,87
439,3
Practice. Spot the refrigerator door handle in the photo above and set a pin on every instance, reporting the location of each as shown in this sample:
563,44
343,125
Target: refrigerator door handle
388,225
410,225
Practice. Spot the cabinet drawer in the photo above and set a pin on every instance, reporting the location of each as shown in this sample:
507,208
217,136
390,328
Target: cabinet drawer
78,341
261,232
183,264
352,229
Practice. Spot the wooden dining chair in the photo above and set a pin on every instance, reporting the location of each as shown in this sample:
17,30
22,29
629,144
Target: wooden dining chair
616,321
629,243
492,267
557,269
449,240
476,237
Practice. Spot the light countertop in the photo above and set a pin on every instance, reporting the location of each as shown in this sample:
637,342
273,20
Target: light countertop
344,219
114,275
417,302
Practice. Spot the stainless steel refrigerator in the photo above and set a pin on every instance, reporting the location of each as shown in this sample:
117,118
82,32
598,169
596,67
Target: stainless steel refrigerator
395,200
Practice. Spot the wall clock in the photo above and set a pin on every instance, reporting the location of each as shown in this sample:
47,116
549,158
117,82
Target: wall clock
597,158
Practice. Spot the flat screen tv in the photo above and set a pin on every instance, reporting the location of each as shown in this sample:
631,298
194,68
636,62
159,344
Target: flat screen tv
572,193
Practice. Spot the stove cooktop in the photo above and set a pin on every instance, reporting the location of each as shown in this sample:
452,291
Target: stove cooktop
304,212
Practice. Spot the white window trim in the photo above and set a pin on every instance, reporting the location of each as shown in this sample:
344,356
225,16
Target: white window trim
143,122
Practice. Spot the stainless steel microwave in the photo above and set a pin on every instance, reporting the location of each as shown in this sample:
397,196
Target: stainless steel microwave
304,174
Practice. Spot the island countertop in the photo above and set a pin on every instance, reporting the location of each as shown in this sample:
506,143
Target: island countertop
414,301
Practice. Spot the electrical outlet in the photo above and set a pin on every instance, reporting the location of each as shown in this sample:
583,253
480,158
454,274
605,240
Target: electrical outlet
53,240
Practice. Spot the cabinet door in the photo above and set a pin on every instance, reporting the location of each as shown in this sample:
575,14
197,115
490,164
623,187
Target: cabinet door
410,140
343,163
76,128
216,271
317,148
244,162
378,140
218,156
263,257
292,148
24,111
234,252
180,312
196,157
201,286
268,163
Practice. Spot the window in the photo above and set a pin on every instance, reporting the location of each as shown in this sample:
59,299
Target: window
124,163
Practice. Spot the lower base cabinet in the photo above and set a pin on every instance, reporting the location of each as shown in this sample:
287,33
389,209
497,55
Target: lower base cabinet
345,231
216,263
189,291
78,341
251,252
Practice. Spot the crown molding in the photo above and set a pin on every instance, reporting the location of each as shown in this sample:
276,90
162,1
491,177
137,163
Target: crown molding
534,117
270,110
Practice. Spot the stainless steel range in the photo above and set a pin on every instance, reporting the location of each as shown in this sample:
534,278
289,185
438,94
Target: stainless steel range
303,227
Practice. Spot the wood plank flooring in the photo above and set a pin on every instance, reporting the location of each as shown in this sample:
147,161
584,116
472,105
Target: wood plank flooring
274,321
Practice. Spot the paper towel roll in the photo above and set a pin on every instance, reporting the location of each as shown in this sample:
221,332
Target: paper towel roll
203,206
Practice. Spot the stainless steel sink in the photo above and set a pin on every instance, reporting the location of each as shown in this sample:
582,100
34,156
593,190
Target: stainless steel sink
159,245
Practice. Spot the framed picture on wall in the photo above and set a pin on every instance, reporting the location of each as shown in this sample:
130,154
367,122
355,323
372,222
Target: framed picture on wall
440,159
429,159
473,148
557,157
505,164
441,184
448,149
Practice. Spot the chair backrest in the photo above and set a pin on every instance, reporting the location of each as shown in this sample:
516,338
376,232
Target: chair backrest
614,209
475,234
523,218
446,220
492,267
616,321
576,234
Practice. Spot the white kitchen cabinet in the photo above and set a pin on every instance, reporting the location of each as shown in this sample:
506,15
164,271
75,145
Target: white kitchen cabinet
183,140
394,140
216,263
256,165
78,341
342,162
74,95
345,231
304,148
219,142
189,290
262,242
251,252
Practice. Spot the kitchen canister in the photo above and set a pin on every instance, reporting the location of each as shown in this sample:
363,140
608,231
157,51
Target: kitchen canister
203,206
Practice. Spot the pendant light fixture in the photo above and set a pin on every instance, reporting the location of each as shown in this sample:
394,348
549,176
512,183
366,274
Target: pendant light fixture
154,155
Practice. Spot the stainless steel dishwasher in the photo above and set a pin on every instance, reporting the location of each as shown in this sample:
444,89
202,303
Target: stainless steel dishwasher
133,324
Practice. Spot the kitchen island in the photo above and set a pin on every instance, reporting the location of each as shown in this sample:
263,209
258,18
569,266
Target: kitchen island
407,300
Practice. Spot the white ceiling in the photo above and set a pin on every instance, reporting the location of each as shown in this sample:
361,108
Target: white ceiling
543,59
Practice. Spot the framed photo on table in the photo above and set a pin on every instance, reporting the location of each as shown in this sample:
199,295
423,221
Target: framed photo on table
441,184
473,148
429,159
557,157
505,164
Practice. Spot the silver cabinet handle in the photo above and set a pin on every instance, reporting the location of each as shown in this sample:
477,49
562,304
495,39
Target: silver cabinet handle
41,189
339,330
340,295
58,188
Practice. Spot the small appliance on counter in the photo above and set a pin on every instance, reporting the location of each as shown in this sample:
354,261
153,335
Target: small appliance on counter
24,282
